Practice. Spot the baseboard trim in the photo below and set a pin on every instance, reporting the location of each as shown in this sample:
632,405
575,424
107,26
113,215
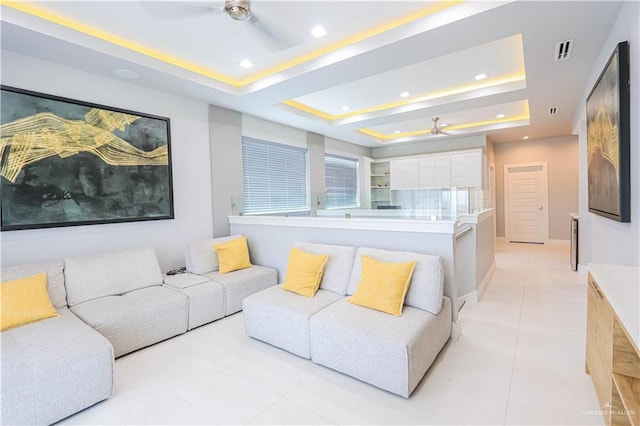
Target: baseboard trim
486,280
469,297
456,330
558,242
549,241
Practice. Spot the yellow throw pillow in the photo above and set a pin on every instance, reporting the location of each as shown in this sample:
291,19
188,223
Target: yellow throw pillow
383,285
304,272
25,300
233,255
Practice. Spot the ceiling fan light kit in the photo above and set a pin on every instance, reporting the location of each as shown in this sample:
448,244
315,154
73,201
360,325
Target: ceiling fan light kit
240,10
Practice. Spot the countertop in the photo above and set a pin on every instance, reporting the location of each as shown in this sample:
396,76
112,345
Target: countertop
621,287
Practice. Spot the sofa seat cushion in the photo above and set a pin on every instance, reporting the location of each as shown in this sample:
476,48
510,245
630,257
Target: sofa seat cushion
110,274
55,279
206,302
240,284
427,281
392,353
281,318
52,369
136,319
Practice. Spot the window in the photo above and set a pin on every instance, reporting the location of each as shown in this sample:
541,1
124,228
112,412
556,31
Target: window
341,176
274,177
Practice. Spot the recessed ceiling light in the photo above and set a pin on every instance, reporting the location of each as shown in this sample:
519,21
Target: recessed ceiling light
525,137
405,94
481,76
345,108
126,74
443,125
396,132
245,63
500,116
319,31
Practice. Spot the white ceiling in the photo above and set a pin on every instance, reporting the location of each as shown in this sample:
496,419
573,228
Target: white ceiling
374,51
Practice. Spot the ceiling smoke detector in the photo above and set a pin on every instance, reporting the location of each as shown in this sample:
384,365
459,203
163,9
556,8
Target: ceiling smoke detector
240,10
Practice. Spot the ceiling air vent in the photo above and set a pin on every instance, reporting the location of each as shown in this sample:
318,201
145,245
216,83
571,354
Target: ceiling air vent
553,110
563,50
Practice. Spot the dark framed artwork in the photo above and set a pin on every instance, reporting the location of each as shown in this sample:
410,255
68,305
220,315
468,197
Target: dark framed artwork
65,162
608,139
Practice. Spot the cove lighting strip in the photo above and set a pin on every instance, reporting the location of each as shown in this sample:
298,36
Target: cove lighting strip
385,137
513,78
32,9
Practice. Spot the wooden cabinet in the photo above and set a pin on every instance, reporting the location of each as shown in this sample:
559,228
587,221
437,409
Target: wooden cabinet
599,341
613,331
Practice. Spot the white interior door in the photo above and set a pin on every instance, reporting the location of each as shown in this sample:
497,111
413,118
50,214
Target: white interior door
526,202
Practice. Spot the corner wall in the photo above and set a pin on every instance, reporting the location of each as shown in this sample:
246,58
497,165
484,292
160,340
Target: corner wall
603,240
190,166
226,165
561,155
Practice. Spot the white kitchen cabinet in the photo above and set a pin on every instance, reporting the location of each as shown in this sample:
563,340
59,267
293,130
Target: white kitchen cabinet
466,169
441,171
406,174
461,169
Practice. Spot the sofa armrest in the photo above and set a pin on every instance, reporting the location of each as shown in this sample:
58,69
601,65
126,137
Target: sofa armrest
185,280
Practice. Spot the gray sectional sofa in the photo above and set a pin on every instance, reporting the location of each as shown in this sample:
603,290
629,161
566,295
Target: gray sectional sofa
54,367
392,353
109,305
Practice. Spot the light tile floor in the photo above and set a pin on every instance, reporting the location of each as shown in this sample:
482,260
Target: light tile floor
520,360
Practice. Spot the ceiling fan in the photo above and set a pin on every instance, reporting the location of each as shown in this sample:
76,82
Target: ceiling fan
437,130
238,10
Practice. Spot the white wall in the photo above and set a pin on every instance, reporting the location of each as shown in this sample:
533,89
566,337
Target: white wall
190,164
561,155
317,177
603,240
226,165
258,128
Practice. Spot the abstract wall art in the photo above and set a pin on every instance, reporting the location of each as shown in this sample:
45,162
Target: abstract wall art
608,139
65,162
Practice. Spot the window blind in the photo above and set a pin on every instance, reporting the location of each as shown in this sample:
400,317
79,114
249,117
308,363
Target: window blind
341,176
275,178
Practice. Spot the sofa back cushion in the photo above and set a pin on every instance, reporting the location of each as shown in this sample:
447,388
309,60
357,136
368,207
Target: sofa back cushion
427,282
201,258
55,279
339,265
110,274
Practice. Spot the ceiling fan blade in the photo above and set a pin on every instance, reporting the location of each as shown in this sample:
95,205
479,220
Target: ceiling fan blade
272,38
172,10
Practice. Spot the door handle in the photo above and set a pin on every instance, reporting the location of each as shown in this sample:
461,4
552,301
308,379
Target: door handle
540,208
